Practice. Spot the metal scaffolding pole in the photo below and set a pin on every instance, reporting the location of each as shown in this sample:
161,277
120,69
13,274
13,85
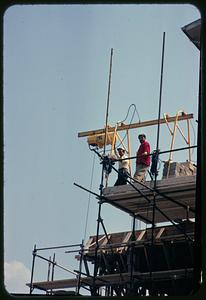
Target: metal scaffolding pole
32,269
162,152
81,252
99,219
132,257
158,134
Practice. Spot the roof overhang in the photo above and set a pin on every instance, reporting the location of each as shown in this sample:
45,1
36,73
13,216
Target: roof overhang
192,31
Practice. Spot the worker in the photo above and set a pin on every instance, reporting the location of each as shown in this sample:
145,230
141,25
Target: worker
123,170
143,159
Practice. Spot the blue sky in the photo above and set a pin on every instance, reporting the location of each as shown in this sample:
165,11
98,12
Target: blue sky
56,64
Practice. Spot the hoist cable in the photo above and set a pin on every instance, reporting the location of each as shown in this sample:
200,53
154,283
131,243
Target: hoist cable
135,110
89,198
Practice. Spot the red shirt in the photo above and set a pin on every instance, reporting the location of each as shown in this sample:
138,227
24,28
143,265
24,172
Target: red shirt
144,147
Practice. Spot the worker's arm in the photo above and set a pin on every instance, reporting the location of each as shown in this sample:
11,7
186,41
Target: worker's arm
146,149
113,156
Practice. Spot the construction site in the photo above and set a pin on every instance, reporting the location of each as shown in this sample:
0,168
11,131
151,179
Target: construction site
161,260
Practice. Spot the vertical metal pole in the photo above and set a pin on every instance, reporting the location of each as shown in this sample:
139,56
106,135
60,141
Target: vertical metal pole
108,96
32,269
133,228
80,268
101,184
53,265
160,95
158,133
49,269
200,182
132,258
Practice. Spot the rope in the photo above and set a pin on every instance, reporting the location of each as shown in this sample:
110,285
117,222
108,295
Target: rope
89,199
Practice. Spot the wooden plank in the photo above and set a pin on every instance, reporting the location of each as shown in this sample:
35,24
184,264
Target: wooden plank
135,125
99,240
125,240
170,229
167,186
141,235
160,232
180,189
171,214
110,279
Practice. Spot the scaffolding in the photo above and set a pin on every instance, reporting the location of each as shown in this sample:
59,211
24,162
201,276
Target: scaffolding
145,262
126,264
156,261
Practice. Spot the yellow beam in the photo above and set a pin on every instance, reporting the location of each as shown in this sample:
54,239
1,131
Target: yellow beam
135,125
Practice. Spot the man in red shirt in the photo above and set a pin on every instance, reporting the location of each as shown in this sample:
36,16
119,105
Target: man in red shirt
143,158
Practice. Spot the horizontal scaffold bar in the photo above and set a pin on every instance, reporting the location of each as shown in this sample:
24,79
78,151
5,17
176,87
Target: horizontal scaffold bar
184,116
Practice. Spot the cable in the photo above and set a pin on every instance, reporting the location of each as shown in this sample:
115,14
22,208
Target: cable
89,198
135,110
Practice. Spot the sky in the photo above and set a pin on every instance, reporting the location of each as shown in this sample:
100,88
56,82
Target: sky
56,70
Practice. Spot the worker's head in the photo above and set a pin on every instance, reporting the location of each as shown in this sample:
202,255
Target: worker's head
121,151
142,137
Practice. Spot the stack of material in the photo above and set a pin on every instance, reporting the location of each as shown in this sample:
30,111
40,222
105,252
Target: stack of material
175,169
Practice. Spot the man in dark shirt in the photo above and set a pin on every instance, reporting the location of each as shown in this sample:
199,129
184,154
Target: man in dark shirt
143,158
